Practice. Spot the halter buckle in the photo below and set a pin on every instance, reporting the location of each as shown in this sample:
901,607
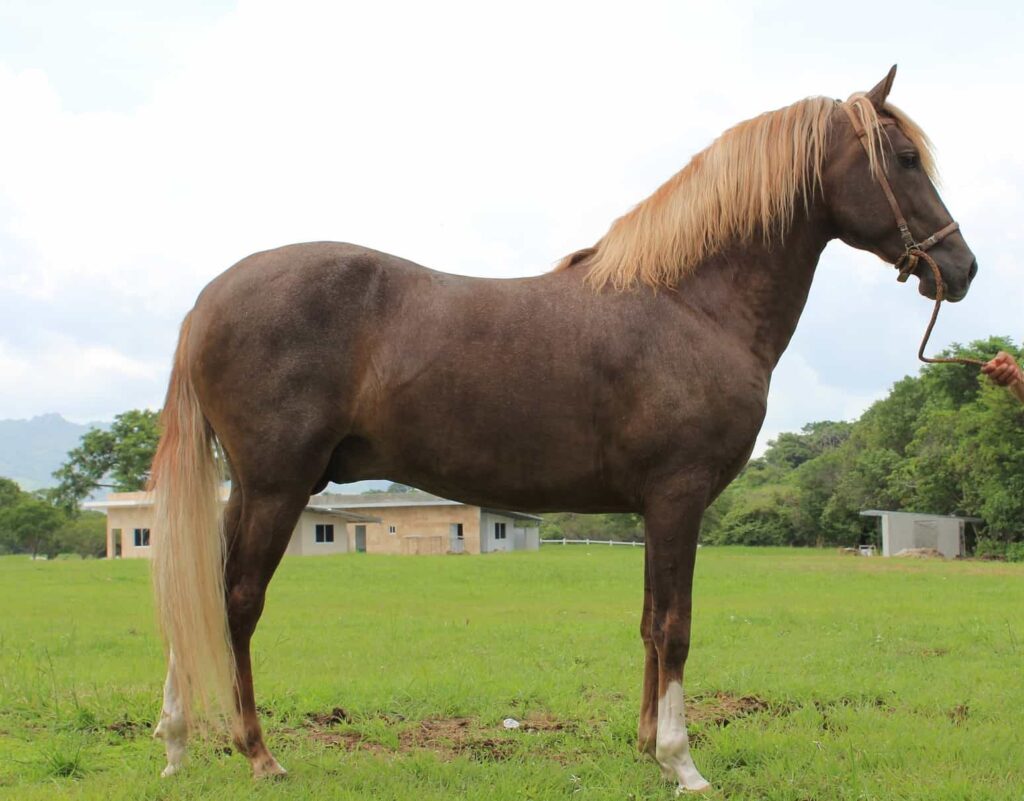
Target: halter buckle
907,237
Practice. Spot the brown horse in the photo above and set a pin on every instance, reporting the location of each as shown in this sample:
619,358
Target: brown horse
634,378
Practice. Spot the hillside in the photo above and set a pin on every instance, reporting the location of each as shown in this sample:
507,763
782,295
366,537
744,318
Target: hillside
30,450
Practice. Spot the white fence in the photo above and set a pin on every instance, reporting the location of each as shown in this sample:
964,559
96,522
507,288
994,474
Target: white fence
592,542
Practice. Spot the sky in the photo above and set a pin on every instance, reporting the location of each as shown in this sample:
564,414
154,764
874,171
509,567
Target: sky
147,147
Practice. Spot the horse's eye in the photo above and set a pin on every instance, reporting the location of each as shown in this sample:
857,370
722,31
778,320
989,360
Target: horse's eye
908,160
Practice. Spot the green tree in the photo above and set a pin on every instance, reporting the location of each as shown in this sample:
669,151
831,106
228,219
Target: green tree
572,526
10,495
30,525
792,450
84,534
118,458
764,515
10,492
989,455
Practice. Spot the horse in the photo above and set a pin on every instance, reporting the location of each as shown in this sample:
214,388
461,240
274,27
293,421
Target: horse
633,377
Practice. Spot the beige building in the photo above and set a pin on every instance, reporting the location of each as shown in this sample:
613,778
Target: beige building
420,523
395,523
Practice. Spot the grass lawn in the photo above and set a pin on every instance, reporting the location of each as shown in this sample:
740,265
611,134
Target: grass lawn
811,676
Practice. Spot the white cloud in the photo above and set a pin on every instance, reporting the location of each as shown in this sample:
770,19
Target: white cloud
78,380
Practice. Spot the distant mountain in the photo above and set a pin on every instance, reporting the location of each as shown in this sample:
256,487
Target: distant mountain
30,450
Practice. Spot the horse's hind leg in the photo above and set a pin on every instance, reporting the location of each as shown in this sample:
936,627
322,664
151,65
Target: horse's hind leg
268,516
172,728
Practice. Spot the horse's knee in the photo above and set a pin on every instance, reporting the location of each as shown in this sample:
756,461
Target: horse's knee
245,604
671,637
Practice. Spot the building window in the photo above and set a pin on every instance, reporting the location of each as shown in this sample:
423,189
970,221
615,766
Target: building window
391,529
142,538
499,531
458,531
325,532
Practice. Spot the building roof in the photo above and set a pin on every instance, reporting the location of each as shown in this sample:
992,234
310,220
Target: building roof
390,500
141,500
919,515
379,500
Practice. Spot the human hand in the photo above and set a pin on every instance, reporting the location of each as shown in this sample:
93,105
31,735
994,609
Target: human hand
1003,369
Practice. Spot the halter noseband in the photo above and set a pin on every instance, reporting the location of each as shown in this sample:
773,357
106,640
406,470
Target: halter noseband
913,250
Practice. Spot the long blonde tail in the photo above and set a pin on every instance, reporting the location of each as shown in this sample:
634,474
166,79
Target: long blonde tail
188,551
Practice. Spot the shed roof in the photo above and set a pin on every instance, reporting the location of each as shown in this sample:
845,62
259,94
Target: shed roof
919,515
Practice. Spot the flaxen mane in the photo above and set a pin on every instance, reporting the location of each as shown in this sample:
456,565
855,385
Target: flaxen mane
749,180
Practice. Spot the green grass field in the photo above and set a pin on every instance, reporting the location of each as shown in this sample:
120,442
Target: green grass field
811,676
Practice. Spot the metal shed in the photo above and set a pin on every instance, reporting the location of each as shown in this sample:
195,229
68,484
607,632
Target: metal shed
901,530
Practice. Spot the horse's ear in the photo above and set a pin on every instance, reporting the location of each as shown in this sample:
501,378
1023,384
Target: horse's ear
878,95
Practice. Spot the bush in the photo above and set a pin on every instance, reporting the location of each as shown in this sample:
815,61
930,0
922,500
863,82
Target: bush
761,516
1015,552
989,548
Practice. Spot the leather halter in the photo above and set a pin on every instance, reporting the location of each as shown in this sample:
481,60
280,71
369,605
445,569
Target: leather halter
913,250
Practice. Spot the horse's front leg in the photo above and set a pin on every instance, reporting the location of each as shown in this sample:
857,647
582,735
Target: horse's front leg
647,730
672,525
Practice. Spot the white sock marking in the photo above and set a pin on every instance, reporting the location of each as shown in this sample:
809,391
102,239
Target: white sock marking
171,728
673,746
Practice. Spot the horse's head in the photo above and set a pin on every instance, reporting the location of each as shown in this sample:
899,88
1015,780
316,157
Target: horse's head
877,182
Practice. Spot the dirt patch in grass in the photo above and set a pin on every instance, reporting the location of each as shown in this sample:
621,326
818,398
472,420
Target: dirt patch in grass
128,728
331,718
447,737
958,714
721,708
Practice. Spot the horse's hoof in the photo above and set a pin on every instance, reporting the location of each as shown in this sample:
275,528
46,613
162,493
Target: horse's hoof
697,787
170,770
268,769
646,746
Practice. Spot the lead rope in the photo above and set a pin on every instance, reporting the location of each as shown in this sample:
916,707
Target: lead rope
940,293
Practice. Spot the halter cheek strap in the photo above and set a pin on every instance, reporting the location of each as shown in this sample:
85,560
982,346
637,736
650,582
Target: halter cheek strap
913,251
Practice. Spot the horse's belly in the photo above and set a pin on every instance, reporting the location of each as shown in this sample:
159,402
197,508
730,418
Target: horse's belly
516,452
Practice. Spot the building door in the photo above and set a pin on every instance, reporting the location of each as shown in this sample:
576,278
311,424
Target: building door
457,542
360,539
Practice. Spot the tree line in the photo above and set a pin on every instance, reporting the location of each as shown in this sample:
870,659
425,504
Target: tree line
31,523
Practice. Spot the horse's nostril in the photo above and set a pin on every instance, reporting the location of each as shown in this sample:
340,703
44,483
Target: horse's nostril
973,271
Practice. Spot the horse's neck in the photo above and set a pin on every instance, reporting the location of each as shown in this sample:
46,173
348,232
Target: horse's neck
757,292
